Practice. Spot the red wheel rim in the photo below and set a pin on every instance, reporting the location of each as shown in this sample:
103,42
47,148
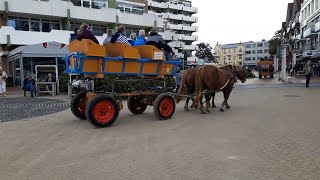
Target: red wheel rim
82,105
166,107
104,111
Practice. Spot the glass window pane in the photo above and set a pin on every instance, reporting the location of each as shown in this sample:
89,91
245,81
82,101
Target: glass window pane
35,26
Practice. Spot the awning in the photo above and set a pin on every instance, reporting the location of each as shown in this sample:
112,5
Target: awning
46,49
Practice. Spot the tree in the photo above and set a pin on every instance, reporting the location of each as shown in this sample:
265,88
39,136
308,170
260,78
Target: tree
275,42
205,52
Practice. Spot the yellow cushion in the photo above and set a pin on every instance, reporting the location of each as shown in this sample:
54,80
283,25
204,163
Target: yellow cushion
88,47
149,51
121,49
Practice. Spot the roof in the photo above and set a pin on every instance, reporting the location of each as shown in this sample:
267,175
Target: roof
289,13
229,46
42,50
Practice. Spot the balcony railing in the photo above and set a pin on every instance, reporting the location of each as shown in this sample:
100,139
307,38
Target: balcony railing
317,27
310,32
190,47
169,36
190,28
157,4
174,26
190,19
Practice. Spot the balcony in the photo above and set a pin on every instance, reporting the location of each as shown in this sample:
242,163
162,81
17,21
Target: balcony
174,26
169,36
190,38
175,6
157,4
176,44
310,33
174,16
190,28
190,47
190,9
58,9
190,19
317,27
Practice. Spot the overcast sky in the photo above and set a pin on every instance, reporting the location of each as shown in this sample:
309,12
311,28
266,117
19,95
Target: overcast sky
232,21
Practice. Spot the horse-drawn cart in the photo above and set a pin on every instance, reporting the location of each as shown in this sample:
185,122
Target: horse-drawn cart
95,61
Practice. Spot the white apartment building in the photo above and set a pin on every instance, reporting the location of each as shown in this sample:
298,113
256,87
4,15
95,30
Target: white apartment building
254,51
178,24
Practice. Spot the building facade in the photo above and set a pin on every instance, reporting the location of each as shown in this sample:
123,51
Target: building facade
229,54
30,22
301,31
254,51
178,24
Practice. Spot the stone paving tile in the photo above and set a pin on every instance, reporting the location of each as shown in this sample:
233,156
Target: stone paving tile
270,133
17,108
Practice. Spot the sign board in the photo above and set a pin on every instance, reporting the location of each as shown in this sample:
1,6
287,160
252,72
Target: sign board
158,55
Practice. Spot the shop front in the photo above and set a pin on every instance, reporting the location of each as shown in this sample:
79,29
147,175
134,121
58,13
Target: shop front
22,60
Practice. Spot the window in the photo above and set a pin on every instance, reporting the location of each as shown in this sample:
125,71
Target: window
260,52
248,46
95,4
19,23
129,8
240,57
240,50
253,52
253,58
253,46
260,45
35,25
248,52
48,25
248,59
99,30
266,51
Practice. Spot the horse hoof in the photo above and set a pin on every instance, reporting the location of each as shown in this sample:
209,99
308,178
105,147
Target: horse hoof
222,110
208,111
203,112
228,107
186,109
213,106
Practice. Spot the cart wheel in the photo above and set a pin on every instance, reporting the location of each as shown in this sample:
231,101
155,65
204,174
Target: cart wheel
135,106
164,106
78,105
271,76
260,76
102,111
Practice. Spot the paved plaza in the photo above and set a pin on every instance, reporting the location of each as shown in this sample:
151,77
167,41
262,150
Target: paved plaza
270,133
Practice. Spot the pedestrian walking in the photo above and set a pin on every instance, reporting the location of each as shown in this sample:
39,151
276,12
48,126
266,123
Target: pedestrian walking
308,73
3,84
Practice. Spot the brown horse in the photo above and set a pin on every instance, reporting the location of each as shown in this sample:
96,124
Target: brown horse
187,85
213,79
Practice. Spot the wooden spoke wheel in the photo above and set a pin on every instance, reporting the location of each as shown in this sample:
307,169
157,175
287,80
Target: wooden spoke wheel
78,105
164,106
102,111
135,106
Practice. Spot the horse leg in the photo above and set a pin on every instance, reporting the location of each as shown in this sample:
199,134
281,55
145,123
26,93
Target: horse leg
208,105
213,96
227,104
186,108
201,106
225,95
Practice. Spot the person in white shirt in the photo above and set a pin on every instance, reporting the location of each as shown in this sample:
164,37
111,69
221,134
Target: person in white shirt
109,36
3,77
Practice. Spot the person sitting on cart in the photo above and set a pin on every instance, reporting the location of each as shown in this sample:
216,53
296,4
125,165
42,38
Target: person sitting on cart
156,40
85,32
141,40
120,36
132,39
109,36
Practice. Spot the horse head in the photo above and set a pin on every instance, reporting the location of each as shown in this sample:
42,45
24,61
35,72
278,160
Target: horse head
240,73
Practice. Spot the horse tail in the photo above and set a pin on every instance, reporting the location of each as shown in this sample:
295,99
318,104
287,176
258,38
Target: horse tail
198,85
182,89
